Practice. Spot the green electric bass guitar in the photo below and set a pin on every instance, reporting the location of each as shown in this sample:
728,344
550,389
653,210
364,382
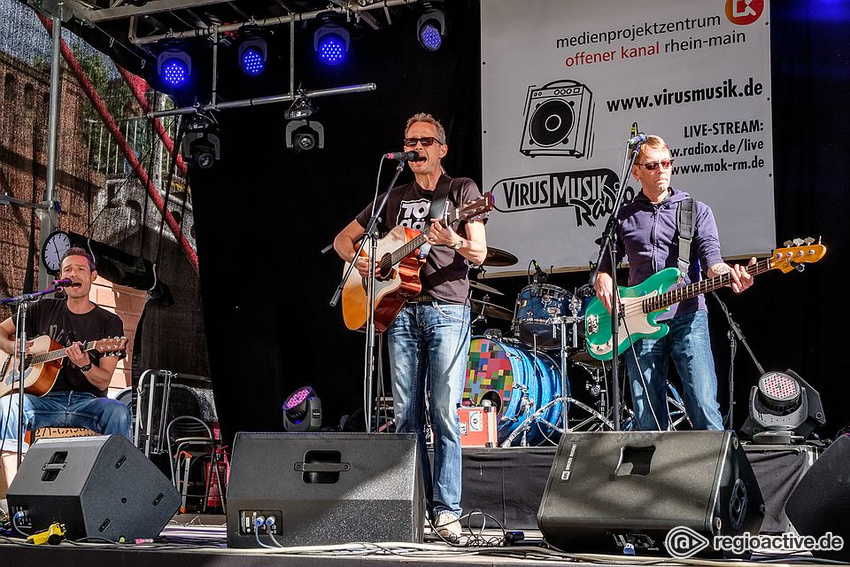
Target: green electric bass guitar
641,305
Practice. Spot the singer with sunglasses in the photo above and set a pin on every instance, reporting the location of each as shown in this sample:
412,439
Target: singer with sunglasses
429,339
649,236
78,398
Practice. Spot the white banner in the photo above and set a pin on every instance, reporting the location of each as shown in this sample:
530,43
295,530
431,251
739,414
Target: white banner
565,81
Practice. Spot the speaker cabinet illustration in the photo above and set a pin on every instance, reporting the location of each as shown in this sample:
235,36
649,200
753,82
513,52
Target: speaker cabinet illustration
558,120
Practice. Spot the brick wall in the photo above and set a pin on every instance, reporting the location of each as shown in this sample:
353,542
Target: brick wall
127,303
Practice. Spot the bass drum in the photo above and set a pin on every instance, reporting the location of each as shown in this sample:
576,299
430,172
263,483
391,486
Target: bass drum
498,370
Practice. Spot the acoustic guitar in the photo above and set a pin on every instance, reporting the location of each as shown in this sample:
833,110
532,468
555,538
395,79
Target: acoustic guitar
397,266
43,362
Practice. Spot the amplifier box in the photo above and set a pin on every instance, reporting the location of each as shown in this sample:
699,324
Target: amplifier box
478,426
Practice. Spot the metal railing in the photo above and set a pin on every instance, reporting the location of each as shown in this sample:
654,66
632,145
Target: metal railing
106,157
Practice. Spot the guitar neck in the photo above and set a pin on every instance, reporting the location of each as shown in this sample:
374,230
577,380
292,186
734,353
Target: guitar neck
404,251
690,291
411,245
57,354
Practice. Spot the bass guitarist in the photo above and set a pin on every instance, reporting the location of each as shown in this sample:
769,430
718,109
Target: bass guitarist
429,338
649,236
78,397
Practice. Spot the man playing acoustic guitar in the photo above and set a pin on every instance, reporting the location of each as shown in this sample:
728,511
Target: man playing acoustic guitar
648,234
78,396
429,338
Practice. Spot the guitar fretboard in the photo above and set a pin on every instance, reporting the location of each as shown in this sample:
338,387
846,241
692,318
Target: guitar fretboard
43,357
402,252
692,290
410,246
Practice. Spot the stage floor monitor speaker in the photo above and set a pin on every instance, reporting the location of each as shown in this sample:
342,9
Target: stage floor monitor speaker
820,503
98,487
324,488
617,492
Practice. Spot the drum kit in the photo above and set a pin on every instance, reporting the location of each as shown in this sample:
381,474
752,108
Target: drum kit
525,375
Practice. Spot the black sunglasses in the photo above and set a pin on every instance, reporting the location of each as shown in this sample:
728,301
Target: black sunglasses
653,165
426,141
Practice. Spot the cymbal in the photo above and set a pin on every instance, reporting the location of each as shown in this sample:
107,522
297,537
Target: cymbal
491,310
497,257
484,287
582,357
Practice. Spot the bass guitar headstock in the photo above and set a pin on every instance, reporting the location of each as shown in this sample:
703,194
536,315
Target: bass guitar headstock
796,253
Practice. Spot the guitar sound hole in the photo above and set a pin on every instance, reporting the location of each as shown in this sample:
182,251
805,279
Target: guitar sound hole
384,269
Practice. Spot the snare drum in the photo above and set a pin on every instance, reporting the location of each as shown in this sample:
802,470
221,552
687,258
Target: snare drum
497,371
537,307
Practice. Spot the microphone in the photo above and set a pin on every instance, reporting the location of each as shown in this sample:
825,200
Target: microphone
404,156
539,275
636,140
64,282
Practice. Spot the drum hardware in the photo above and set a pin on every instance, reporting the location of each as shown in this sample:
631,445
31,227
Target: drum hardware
526,404
595,386
675,408
493,334
486,309
536,417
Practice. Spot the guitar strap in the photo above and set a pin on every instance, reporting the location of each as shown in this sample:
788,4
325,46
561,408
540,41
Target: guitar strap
438,201
685,224
438,205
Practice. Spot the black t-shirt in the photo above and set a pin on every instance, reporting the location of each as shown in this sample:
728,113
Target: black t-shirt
52,317
445,275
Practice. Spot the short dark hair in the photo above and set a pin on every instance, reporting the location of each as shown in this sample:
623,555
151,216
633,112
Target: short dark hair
77,251
425,117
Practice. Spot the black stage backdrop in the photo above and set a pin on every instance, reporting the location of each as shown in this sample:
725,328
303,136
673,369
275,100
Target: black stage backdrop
263,214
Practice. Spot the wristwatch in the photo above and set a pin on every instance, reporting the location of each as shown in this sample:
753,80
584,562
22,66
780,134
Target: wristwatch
85,368
457,245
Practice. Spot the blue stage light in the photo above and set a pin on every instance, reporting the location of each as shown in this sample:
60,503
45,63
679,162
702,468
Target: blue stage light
431,29
331,43
174,67
252,56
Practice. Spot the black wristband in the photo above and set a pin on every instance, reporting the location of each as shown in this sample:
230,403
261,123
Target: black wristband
85,368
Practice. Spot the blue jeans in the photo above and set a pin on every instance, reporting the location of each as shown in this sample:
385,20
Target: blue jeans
689,346
429,350
62,409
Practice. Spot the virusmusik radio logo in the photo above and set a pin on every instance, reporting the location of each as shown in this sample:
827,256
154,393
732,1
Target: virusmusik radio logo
590,193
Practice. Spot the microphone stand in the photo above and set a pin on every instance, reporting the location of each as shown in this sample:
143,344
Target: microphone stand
369,235
21,352
734,334
609,244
